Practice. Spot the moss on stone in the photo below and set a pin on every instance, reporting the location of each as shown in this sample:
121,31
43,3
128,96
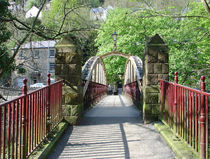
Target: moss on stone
47,146
181,149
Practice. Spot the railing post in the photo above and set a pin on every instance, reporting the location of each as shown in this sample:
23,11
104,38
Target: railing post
162,98
48,105
175,101
202,120
24,146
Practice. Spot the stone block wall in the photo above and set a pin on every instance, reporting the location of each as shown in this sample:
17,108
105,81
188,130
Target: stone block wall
155,67
68,67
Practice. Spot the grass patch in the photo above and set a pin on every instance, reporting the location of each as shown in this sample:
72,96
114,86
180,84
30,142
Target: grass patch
180,148
47,145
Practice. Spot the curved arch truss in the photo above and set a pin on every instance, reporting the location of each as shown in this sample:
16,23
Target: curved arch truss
95,83
133,78
94,80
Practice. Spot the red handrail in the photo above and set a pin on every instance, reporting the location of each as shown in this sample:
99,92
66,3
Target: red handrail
132,90
94,93
186,111
24,123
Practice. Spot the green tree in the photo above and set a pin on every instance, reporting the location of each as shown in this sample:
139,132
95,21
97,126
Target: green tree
65,17
73,17
31,3
186,35
5,35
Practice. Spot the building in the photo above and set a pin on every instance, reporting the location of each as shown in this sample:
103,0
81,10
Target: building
35,60
33,13
99,13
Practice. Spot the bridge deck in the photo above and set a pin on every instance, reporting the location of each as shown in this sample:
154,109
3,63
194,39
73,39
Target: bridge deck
112,129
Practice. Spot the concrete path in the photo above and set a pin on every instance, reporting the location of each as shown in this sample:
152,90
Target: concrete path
112,129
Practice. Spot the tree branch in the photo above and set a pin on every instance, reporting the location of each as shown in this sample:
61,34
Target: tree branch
22,41
206,5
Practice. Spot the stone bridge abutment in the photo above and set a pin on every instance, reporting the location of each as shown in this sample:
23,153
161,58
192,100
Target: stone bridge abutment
68,67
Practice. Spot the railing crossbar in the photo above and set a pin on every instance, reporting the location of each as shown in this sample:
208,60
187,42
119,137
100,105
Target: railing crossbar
24,122
186,111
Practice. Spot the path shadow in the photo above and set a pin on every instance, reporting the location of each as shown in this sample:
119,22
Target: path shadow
59,147
96,137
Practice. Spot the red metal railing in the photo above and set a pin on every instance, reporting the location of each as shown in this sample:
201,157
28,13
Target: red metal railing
94,93
132,90
186,111
27,120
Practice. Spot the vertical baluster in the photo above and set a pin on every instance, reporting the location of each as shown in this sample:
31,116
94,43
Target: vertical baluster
41,100
4,130
207,127
45,104
202,120
172,108
179,110
13,129
17,128
31,126
185,114
180,107
60,102
43,113
0,129
193,120
52,106
38,119
24,145
32,122
20,127
182,112
190,118
48,105
56,103
196,122
8,129
199,125
36,116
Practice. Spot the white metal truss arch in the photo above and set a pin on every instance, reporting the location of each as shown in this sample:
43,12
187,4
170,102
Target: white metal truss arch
93,71
133,70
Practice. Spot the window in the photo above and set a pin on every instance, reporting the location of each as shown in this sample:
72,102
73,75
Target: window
21,55
52,67
20,65
36,54
21,69
52,53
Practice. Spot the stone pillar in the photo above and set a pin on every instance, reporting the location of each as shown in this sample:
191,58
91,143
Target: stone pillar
68,67
155,67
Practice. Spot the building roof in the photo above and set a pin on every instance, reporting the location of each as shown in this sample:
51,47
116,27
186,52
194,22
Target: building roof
97,10
38,44
100,9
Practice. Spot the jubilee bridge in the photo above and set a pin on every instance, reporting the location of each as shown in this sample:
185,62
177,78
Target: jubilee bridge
101,125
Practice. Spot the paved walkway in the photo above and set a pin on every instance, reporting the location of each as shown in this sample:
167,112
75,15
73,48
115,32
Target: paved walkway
112,129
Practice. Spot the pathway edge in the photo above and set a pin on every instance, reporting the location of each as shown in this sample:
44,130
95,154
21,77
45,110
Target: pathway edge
48,147
181,149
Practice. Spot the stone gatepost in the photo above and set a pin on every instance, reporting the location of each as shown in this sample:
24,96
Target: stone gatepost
155,67
68,67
